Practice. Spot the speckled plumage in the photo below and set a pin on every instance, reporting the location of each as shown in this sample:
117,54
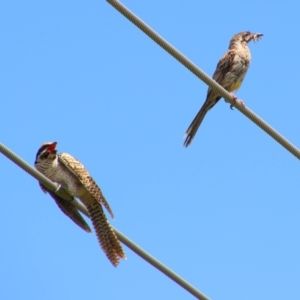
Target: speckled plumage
67,171
82,174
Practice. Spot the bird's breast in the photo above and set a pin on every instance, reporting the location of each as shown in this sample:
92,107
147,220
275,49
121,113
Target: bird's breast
237,85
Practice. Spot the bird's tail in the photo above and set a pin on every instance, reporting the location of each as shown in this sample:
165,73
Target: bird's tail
192,130
107,237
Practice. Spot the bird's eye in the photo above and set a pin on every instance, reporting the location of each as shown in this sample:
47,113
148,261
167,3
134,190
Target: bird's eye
45,155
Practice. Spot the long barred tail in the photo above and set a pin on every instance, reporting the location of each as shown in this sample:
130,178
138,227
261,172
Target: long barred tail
107,237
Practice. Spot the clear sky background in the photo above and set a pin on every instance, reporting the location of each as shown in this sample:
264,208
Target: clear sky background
223,214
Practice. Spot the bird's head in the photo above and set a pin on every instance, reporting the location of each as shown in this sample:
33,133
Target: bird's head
244,38
46,151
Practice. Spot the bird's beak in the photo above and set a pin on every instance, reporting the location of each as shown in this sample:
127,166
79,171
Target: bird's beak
51,147
255,37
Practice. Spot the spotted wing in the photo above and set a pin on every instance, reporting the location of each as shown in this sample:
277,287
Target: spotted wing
78,169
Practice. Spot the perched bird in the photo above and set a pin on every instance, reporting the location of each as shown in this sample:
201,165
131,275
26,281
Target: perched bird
229,73
68,172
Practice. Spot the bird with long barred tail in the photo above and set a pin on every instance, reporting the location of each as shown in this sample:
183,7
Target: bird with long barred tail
229,73
68,172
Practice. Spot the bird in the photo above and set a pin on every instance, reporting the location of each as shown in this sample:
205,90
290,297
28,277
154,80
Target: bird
229,73
69,173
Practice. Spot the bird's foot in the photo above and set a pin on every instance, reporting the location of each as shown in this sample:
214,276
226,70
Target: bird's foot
236,100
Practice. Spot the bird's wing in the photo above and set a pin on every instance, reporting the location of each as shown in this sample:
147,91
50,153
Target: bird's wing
69,209
93,198
78,169
223,67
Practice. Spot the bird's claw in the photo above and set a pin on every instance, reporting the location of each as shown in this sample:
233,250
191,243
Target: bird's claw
235,100
239,101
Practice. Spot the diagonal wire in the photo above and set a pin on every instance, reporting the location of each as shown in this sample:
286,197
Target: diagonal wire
203,76
126,241
158,265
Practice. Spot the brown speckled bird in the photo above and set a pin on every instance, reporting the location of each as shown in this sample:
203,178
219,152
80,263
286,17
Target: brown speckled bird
229,73
67,171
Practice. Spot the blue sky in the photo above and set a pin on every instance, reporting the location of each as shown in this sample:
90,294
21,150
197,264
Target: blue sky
224,213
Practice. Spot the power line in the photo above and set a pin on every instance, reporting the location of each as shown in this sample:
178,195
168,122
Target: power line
203,76
54,187
157,264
